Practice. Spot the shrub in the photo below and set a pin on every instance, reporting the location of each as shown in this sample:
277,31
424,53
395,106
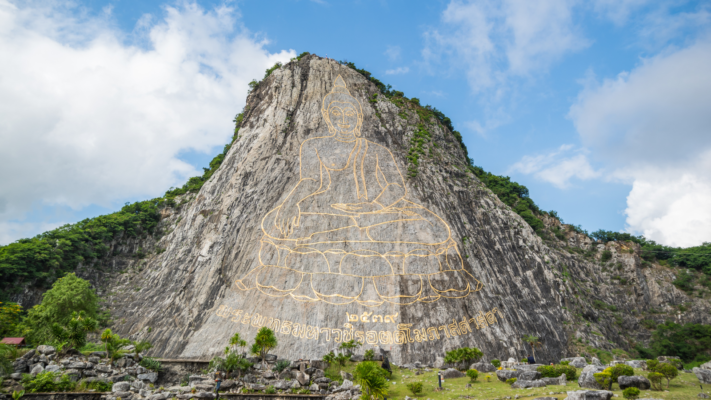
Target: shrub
47,382
524,360
464,354
655,378
566,362
371,379
630,393
473,374
668,371
604,379
488,378
341,358
619,370
554,371
270,390
100,386
606,256
151,363
496,363
369,355
415,388
511,381
281,365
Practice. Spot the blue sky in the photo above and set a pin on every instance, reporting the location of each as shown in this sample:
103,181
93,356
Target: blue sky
599,108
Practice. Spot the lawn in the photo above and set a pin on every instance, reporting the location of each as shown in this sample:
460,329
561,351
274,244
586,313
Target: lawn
685,386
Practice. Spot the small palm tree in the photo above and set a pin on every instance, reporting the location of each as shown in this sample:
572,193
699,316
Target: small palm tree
533,341
372,379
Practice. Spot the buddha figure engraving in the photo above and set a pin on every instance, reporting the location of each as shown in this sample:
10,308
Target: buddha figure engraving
347,231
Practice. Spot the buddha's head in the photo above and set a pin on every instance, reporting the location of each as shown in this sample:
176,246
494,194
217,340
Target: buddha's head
342,111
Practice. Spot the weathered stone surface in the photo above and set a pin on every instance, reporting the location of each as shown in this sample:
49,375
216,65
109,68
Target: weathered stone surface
346,375
577,362
46,349
16,376
74,374
37,368
103,368
530,375
560,381
303,378
596,362
346,385
77,365
504,374
287,373
318,364
214,239
452,373
637,364
523,384
100,354
704,375
587,378
149,376
589,395
706,365
639,382
282,385
121,387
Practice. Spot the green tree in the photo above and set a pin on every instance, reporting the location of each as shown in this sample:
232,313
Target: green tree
9,318
630,393
349,346
371,379
236,340
668,371
75,331
68,295
472,374
533,341
140,347
114,344
6,358
263,342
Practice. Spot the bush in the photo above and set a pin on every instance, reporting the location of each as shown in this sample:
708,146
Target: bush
473,374
619,370
270,390
604,379
464,354
655,378
369,355
630,393
606,256
47,382
496,363
415,388
555,371
281,365
100,386
511,381
566,362
151,363
668,371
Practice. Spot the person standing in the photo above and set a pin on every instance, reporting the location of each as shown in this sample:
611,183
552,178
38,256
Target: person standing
218,382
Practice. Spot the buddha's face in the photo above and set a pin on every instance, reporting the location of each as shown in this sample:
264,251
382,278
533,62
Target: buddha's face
343,118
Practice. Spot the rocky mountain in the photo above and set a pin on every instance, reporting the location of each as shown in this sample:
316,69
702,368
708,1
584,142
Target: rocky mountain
341,213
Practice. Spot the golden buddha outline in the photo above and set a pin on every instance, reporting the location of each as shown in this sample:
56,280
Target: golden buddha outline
346,232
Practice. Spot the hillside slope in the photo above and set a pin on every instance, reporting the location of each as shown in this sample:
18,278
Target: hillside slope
183,293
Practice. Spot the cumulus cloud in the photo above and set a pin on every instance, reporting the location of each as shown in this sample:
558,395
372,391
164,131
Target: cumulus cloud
652,126
89,114
398,71
495,41
557,167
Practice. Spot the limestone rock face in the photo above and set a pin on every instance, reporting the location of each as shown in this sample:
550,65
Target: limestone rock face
587,378
339,214
704,375
639,382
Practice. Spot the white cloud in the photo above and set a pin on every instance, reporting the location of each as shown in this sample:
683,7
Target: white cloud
495,41
393,52
87,119
398,71
558,167
652,126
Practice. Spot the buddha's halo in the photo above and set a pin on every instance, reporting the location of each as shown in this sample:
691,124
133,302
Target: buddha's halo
339,93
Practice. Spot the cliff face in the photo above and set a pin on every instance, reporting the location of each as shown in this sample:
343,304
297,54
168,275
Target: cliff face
394,243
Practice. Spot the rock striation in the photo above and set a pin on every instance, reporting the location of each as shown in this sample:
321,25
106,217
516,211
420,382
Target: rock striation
342,214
